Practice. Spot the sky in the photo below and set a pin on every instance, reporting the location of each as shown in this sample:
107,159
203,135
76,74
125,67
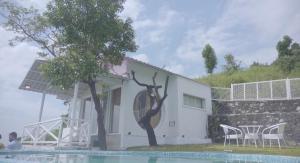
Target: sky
169,34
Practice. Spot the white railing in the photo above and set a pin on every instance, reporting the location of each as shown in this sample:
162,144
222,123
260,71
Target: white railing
60,131
284,89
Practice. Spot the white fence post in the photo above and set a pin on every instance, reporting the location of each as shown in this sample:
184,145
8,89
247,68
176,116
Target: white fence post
271,89
257,90
231,92
60,131
288,88
244,91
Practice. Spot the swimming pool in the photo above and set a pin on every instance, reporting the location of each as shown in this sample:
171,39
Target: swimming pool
80,156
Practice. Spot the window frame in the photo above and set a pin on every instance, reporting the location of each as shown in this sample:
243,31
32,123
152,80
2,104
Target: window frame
203,102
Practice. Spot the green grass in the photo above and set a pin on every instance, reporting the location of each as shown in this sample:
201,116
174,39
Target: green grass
287,151
252,74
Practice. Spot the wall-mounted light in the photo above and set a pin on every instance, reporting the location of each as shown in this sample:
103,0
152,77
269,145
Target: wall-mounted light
27,86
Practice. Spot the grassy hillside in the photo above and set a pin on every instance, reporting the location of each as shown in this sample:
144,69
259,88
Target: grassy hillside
252,74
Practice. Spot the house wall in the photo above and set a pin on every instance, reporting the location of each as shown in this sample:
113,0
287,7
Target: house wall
132,133
92,115
193,121
113,139
176,120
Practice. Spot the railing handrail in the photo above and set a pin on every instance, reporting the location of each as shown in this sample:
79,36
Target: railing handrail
53,120
265,81
38,131
294,78
286,90
42,122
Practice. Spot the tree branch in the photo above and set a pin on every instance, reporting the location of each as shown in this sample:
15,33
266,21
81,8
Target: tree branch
143,84
44,45
157,96
166,87
29,35
137,82
153,112
153,78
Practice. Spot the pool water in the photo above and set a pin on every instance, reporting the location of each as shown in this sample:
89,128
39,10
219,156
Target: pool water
140,157
108,159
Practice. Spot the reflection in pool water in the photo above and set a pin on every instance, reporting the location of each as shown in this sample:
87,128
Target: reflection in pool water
139,157
67,158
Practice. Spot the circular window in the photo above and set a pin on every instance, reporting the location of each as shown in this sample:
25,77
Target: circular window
141,106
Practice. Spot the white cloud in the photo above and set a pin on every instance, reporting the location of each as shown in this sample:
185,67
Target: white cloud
175,68
156,28
39,4
242,28
143,24
141,57
262,55
132,9
191,45
165,17
267,17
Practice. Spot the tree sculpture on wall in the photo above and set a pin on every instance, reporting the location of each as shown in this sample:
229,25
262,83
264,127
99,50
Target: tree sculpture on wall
156,102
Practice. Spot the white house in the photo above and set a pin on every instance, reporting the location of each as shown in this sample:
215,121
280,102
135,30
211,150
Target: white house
182,120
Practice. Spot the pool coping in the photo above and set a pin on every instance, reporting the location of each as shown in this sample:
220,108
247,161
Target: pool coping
195,155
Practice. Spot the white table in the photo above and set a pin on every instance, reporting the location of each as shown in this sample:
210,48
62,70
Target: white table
251,132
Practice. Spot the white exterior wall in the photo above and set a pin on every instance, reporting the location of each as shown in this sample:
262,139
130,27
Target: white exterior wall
92,114
138,135
113,140
193,121
189,122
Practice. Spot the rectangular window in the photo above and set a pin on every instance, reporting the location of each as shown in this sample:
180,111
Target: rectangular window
193,101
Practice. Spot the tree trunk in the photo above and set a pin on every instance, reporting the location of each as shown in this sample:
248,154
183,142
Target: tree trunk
146,121
151,135
101,132
100,116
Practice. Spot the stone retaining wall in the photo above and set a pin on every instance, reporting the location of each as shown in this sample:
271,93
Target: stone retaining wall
235,113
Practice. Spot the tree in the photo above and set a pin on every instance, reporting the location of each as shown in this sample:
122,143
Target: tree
283,46
231,64
288,54
210,58
82,36
30,26
156,102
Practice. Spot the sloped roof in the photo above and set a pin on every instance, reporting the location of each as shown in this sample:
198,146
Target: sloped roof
167,71
36,82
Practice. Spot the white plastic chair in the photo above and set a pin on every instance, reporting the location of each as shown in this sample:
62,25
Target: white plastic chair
232,133
274,132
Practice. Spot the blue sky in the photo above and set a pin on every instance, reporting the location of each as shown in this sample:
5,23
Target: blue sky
169,33
173,33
